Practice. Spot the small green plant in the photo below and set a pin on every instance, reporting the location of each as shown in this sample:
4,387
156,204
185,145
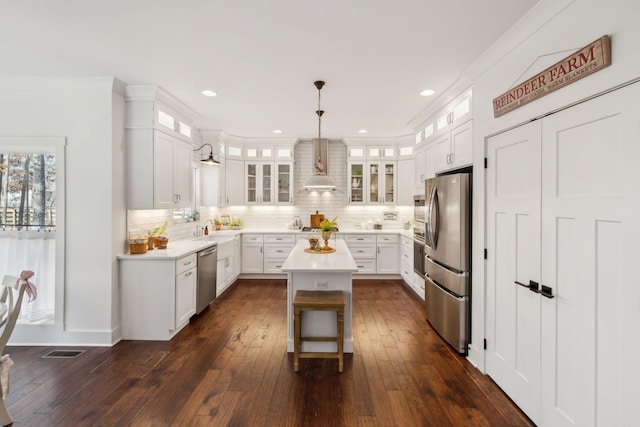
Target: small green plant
159,230
217,221
326,225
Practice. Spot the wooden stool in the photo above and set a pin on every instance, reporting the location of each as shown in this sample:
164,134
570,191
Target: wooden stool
318,301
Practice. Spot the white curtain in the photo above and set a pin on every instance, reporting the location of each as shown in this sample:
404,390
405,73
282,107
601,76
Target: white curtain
35,251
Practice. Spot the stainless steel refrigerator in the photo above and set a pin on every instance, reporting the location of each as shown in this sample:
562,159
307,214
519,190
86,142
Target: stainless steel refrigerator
447,263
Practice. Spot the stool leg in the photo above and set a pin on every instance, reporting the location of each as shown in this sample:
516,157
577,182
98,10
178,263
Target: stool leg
296,339
340,340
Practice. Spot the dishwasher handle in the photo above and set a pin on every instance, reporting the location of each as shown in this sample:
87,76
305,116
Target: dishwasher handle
207,252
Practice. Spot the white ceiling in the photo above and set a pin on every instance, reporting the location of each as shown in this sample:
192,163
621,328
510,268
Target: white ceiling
263,56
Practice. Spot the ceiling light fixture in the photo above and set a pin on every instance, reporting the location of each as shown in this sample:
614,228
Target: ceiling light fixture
277,131
209,92
363,131
210,160
319,180
427,92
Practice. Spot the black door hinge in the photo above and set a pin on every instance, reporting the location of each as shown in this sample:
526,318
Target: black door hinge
486,162
485,254
485,343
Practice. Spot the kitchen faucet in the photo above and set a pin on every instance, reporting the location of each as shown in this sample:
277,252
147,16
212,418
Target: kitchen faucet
200,229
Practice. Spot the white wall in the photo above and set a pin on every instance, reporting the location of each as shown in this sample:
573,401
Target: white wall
89,115
551,31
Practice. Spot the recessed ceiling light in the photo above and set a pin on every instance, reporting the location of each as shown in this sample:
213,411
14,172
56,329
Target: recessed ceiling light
209,92
363,131
427,92
277,131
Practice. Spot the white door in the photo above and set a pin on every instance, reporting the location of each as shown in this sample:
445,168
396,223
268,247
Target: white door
584,331
513,247
590,234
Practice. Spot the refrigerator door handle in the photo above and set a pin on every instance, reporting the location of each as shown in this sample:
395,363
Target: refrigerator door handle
434,216
429,225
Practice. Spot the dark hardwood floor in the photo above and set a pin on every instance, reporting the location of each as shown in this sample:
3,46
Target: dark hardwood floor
230,367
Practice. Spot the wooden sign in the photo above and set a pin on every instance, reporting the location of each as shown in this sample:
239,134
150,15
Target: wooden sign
582,63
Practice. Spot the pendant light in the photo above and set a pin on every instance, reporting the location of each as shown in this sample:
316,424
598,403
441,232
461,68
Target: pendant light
319,180
210,160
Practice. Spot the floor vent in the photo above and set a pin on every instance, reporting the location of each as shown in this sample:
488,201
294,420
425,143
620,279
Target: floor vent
63,354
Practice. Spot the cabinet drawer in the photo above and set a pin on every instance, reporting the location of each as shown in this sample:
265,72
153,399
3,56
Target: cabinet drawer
406,270
279,238
252,238
366,266
277,251
405,256
273,265
360,239
185,263
362,251
387,238
407,243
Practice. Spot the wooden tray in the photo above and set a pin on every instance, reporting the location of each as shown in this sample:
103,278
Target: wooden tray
323,251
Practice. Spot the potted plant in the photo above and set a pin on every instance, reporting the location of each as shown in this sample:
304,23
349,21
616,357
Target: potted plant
327,227
218,223
159,237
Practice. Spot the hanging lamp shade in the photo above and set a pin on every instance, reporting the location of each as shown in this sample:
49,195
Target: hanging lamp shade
319,180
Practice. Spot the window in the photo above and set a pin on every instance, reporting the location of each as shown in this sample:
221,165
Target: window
27,191
32,219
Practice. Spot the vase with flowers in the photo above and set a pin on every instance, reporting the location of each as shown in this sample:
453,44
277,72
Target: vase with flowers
326,229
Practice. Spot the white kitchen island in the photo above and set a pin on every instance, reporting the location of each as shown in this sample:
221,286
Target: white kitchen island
320,271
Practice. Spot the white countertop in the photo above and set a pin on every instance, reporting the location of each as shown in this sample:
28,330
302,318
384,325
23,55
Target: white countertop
338,261
180,248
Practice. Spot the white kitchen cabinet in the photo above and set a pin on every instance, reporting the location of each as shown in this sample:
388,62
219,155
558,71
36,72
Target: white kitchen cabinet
454,149
388,254
431,159
277,248
237,256
284,183
405,182
252,254
382,182
234,182
373,183
159,149
158,296
406,260
420,173
259,179
210,185
225,268
356,182
363,251
268,183
186,285
452,115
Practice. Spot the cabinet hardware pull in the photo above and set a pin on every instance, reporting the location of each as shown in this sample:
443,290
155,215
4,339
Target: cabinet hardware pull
546,292
188,274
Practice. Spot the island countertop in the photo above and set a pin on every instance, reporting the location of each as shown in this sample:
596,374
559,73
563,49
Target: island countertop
338,261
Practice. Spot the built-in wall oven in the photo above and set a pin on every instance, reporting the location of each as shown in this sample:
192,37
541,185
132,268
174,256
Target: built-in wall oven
419,230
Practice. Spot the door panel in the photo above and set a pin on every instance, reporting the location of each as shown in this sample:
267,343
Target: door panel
591,186
513,245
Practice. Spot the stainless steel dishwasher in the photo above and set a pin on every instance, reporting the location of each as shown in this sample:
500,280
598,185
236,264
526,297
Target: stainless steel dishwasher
207,270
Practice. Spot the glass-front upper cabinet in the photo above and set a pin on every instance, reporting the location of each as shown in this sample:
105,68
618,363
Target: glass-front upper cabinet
285,183
382,182
356,182
259,179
